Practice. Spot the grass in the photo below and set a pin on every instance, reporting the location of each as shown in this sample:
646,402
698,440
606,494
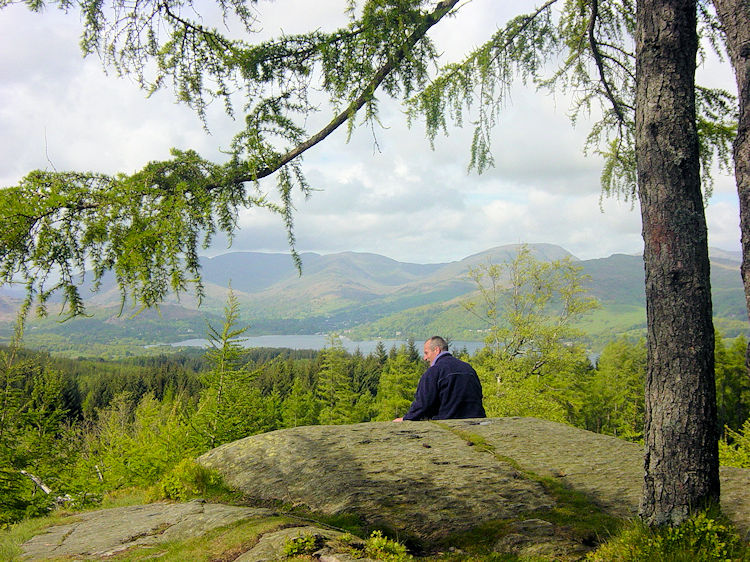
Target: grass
344,522
12,538
224,543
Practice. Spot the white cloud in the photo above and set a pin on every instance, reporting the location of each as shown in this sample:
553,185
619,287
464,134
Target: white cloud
385,191
723,225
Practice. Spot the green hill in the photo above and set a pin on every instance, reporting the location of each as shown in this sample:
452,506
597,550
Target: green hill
362,295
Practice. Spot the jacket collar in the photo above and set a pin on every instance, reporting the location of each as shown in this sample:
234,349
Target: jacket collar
441,354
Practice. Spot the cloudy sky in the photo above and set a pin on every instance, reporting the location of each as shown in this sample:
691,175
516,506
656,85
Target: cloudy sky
387,193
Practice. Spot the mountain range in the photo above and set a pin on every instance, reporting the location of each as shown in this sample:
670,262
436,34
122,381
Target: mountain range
368,296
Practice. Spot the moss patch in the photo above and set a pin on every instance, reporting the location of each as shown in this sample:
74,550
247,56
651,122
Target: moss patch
574,516
225,543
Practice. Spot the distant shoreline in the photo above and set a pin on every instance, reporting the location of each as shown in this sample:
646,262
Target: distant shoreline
319,341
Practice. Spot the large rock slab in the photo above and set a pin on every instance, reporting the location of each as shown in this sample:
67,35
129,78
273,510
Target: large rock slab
424,479
102,533
417,478
607,469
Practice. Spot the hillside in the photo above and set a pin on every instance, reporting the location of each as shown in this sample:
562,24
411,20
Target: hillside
617,282
364,296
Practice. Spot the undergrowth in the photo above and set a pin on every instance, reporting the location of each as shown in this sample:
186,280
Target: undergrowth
189,480
706,537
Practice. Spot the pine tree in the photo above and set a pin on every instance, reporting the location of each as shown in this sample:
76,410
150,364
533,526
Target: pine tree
300,406
334,387
614,401
398,382
32,447
732,383
227,398
381,353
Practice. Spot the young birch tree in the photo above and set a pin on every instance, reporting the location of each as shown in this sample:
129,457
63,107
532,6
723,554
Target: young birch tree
532,357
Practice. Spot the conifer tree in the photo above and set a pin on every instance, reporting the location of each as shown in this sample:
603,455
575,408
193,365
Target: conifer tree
32,448
134,445
334,387
227,399
365,373
614,402
398,383
300,406
732,383
381,353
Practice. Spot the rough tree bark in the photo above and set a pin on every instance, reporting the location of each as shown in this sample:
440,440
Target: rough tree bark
735,20
681,460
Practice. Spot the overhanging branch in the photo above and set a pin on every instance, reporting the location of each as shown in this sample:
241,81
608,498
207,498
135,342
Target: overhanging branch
593,43
441,9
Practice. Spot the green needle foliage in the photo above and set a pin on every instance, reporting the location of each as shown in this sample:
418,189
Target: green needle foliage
33,440
398,382
147,227
230,406
334,388
615,402
300,406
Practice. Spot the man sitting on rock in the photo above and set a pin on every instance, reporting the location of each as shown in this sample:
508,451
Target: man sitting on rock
448,389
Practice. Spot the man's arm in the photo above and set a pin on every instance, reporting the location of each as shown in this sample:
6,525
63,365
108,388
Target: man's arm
426,398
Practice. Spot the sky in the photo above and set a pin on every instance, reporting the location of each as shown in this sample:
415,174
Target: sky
385,191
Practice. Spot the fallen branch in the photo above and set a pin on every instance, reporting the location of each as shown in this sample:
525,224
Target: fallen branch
60,500
38,481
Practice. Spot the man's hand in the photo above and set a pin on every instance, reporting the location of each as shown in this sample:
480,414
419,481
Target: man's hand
399,419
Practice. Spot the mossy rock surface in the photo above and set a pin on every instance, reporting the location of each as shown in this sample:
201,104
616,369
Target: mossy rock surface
416,478
429,480
106,532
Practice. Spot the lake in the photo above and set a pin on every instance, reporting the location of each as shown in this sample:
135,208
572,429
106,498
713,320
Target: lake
316,341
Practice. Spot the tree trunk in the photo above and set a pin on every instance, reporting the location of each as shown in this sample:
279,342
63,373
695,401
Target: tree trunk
681,460
735,19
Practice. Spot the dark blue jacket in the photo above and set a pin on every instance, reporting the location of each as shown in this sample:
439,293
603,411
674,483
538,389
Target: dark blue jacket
450,389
